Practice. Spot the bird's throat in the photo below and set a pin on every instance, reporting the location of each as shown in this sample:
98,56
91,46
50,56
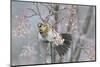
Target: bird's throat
45,33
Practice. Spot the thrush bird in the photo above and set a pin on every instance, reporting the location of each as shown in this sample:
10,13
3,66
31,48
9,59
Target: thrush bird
61,41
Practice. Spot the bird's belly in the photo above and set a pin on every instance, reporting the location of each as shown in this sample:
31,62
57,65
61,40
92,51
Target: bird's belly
50,37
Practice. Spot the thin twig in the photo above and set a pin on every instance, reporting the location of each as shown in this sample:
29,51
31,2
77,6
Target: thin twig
38,10
32,10
31,15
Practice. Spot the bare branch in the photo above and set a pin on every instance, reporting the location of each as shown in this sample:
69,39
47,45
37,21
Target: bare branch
35,13
84,31
38,10
47,6
50,11
31,15
33,10
52,8
89,54
48,16
61,20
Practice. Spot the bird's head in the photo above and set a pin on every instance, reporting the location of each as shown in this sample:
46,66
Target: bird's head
44,28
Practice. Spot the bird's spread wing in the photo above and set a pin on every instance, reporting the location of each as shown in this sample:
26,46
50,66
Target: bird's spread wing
61,41
63,48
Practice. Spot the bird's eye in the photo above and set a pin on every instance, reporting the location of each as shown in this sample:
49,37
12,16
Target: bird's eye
39,25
